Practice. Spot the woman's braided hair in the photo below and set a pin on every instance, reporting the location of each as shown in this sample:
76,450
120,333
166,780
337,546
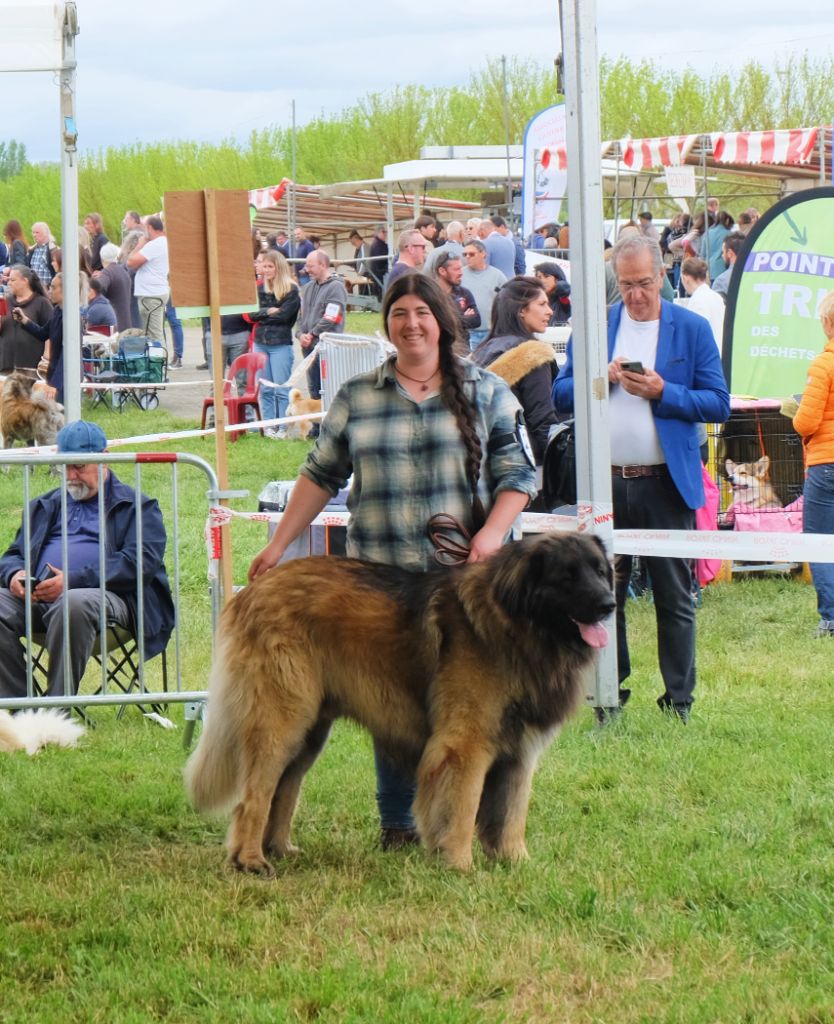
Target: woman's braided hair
452,344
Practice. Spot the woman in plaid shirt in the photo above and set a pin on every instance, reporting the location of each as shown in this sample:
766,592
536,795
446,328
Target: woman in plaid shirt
427,432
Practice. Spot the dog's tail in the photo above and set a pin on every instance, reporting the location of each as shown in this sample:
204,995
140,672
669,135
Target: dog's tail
212,773
33,730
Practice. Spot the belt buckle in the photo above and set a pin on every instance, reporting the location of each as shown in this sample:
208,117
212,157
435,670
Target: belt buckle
632,472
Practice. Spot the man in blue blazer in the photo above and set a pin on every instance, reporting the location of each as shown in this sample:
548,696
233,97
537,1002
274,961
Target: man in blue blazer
665,378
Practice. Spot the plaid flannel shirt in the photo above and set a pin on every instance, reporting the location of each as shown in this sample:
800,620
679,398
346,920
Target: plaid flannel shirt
408,461
40,262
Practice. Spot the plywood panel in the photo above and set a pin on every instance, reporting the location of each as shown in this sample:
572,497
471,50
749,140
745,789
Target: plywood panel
185,225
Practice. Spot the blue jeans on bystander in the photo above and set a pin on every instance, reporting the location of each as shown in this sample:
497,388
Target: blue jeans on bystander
176,329
273,401
818,517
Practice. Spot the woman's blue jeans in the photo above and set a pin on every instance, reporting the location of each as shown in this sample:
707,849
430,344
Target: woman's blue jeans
818,517
273,401
176,329
395,789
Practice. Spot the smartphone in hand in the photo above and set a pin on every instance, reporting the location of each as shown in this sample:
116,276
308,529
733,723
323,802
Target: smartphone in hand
632,367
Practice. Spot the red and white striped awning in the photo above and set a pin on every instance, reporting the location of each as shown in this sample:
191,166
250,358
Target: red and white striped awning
666,151
560,155
781,146
261,198
264,198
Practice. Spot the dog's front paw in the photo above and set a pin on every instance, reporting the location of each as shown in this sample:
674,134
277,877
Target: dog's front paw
283,850
252,865
514,852
457,860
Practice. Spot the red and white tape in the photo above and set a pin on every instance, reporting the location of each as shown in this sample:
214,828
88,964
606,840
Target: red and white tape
729,545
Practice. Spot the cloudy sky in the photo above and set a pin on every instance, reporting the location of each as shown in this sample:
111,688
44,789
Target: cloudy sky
150,70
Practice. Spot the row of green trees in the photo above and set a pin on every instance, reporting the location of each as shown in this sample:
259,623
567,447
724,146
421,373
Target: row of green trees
637,98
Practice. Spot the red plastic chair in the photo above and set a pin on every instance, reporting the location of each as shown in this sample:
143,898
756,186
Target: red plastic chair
250,363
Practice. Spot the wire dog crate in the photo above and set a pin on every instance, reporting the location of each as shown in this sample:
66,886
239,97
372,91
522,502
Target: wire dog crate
756,458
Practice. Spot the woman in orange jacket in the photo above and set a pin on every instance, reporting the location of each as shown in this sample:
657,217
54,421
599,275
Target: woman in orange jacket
814,422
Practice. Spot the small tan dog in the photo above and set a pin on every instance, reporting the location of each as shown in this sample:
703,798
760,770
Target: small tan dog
33,730
301,406
751,484
27,413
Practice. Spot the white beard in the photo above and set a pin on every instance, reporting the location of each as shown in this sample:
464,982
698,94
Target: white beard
79,491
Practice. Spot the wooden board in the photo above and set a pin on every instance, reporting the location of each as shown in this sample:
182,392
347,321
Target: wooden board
185,225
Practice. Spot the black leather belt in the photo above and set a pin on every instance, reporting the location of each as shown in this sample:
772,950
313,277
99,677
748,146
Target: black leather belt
632,472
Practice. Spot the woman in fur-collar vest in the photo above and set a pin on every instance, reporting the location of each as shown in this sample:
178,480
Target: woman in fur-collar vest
520,310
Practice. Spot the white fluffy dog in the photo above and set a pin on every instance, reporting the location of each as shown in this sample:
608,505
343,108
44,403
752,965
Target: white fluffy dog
33,730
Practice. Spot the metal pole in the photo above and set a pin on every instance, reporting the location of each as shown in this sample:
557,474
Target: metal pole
291,204
590,352
705,251
221,455
389,219
69,221
507,132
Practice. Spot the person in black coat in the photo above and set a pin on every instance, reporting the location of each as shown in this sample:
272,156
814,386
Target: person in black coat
280,304
557,287
529,366
52,332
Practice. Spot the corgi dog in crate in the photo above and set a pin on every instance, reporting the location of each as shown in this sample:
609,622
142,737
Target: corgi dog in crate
751,484
33,730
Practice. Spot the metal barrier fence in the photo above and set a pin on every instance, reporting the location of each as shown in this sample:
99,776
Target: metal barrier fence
343,356
113,689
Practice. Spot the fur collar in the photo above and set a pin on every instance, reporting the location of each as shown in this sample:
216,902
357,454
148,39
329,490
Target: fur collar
517,362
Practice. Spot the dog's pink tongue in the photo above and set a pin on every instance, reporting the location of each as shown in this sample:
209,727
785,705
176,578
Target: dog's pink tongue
594,634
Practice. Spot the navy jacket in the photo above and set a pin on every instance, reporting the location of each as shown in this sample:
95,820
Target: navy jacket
694,391
121,556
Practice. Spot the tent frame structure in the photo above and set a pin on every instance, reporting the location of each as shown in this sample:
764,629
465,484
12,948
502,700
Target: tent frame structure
40,36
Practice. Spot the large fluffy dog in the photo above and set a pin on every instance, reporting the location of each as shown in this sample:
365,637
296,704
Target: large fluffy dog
27,415
465,674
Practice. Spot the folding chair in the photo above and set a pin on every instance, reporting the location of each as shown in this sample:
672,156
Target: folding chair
97,367
133,365
250,363
122,657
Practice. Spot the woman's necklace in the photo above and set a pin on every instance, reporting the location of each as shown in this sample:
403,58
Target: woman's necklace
423,382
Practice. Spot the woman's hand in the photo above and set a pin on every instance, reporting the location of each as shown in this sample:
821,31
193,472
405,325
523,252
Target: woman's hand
485,543
265,560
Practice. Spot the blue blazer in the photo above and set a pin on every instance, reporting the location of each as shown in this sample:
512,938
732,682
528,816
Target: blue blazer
694,391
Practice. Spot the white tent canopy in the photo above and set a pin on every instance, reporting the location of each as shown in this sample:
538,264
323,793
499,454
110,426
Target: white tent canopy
465,167
31,36
39,36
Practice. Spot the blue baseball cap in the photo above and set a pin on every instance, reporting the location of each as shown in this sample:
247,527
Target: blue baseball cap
81,436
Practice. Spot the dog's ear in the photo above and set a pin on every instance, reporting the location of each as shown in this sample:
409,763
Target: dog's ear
516,578
729,467
762,466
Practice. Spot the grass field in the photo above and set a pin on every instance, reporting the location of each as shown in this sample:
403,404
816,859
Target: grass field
676,874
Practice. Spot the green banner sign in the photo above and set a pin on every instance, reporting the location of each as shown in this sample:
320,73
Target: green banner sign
772,330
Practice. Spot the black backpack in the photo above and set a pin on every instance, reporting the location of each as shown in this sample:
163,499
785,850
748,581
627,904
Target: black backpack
559,467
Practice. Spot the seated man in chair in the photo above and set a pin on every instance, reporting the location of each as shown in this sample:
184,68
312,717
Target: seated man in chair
84,591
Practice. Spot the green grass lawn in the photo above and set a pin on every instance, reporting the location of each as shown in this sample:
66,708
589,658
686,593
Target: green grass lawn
676,874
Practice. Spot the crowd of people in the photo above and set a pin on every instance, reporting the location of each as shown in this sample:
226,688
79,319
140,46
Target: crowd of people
457,303
120,287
